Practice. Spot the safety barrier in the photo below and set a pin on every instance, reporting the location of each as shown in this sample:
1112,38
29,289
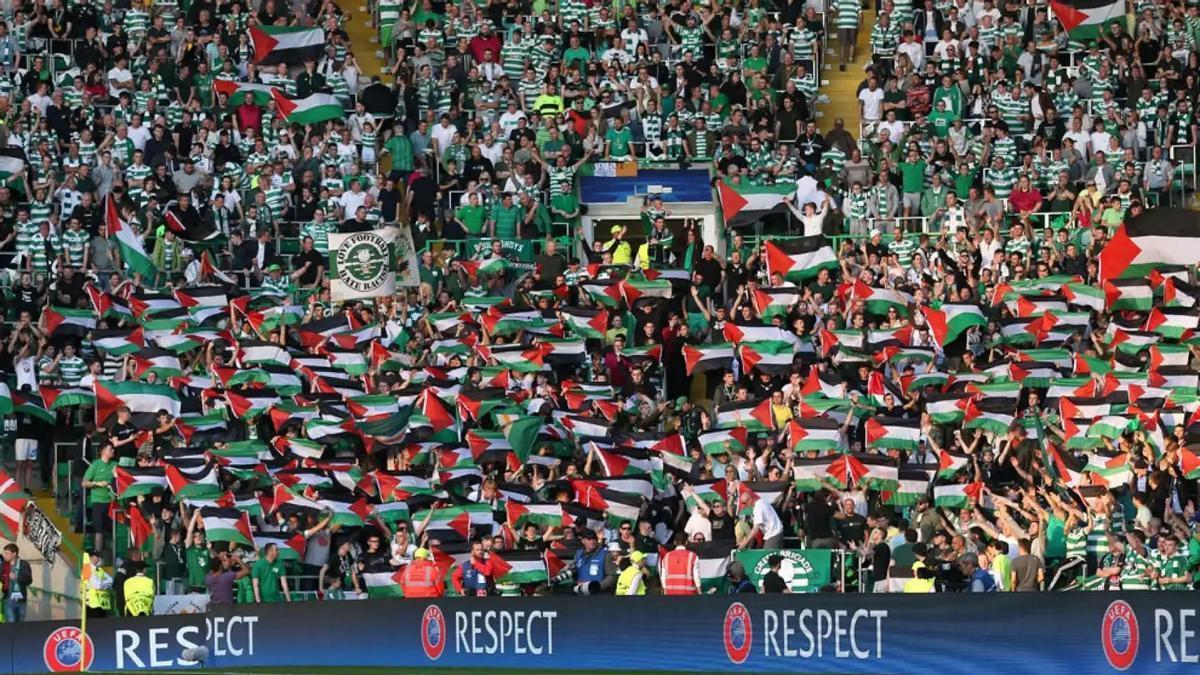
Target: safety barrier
1139,632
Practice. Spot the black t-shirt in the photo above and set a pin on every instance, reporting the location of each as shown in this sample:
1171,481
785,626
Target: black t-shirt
773,583
316,259
881,559
816,519
851,528
722,526
121,431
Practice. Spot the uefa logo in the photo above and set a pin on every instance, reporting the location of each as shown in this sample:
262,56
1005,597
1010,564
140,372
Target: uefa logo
1119,635
433,632
738,633
68,649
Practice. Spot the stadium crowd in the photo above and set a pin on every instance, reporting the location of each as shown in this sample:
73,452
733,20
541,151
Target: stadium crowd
936,382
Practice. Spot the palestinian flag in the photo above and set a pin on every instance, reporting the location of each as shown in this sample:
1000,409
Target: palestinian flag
911,485
950,463
12,506
893,432
754,414
713,559
988,419
1134,294
1173,323
542,515
11,164
1158,236
702,358
725,441
1178,293
810,475
236,91
384,584
744,205
64,321
1085,19
285,44
951,320
738,334
946,408
1189,463
809,434
586,323
518,567
617,506
134,481
197,482
800,259
768,357
880,300
635,289
291,547
459,519
138,397
55,399
1084,295
129,243
310,109
119,341
957,496
770,302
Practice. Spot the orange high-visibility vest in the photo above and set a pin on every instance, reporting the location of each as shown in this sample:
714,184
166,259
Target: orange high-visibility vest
677,573
421,579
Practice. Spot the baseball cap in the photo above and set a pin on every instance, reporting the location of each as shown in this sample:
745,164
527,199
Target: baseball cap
614,547
637,556
421,554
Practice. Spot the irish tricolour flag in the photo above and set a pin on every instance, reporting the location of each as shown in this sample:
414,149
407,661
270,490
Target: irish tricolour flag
310,109
285,43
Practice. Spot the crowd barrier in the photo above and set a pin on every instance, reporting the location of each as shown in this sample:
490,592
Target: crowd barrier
952,633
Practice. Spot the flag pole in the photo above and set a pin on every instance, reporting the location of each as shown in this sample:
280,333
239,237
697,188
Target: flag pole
85,578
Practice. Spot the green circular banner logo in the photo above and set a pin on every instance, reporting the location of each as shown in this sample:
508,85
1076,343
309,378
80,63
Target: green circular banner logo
362,261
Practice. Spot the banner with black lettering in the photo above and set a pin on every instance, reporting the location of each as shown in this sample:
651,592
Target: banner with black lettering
363,264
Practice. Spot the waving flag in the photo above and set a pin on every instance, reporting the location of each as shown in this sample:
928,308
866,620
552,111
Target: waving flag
129,243
800,259
12,506
231,525
747,204
278,44
310,109
951,320
1162,235
236,91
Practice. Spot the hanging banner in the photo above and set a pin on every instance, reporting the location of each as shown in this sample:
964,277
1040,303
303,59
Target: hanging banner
363,264
37,527
804,570
407,273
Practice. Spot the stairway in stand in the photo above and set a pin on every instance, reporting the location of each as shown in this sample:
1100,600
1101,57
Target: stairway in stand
839,86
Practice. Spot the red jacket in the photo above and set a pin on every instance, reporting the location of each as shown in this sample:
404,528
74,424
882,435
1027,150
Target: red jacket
480,43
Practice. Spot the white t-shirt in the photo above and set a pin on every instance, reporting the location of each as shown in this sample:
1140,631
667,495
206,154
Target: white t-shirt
767,520
350,201
872,102
139,135
118,75
443,135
